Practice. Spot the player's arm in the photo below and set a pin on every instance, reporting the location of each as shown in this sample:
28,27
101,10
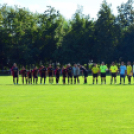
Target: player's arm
18,72
27,74
52,72
47,72
82,73
55,71
72,71
98,71
37,72
32,73
92,71
106,68
117,70
60,71
110,70
131,69
126,71
21,72
67,72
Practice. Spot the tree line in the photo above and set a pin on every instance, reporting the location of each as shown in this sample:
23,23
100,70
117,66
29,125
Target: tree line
35,38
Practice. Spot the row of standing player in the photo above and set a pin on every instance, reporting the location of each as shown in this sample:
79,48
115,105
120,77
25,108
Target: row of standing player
31,76
73,71
123,71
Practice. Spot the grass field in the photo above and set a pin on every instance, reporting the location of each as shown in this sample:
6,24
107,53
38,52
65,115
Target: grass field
66,109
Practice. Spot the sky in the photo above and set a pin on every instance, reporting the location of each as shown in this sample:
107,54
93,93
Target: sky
66,7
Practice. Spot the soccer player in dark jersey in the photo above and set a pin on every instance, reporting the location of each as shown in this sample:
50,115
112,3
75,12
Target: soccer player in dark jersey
29,75
50,73
15,72
75,73
12,73
85,72
69,72
42,72
79,72
57,74
64,73
35,75
23,74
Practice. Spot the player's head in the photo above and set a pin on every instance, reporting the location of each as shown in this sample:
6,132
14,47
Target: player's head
42,66
68,65
129,63
35,67
83,67
95,64
23,67
113,63
75,65
78,65
103,63
50,65
122,63
15,65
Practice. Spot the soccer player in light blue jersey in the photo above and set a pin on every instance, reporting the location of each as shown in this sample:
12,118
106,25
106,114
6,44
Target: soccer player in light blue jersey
123,72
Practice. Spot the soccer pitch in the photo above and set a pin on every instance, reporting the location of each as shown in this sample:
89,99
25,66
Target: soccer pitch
66,109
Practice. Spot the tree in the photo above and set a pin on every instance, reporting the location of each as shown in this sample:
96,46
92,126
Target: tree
126,14
78,40
105,35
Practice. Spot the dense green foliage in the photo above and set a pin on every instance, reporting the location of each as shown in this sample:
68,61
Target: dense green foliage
66,109
33,38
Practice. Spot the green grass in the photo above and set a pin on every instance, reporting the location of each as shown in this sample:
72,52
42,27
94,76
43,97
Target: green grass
66,109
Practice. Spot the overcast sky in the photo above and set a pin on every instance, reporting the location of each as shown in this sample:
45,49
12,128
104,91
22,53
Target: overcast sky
66,7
